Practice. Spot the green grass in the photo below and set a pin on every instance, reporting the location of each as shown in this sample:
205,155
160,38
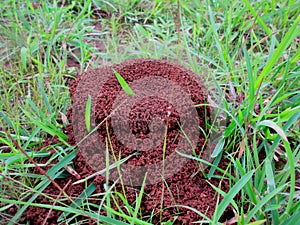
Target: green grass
247,52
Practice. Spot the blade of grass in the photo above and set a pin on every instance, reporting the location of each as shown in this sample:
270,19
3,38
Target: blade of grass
272,186
139,200
39,188
292,33
259,20
68,210
248,188
219,148
6,119
54,172
294,219
230,195
79,200
213,168
129,218
88,113
274,126
259,205
251,79
45,97
123,84
207,163
112,166
207,219
218,43
292,181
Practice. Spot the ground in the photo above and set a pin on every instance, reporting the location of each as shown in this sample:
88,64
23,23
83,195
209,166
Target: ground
243,58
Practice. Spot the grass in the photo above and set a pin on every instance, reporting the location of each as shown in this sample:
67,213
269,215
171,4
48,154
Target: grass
247,52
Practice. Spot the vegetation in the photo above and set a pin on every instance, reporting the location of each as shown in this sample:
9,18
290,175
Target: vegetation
249,51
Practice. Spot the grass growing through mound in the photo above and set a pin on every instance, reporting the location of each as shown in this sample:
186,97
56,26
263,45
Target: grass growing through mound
249,51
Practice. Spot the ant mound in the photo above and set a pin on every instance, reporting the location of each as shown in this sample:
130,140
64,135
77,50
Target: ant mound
147,120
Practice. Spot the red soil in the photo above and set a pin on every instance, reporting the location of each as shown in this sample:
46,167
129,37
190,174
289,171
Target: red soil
182,187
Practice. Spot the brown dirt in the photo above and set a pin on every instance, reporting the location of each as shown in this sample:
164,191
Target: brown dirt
185,187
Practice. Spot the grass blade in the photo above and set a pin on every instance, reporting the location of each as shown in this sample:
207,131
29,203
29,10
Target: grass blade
69,210
219,147
46,100
79,200
294,219
259,20
230,195
274,126
6,119
259,205
292,181
272,186
88,114
139,200
286,41
124,84
54,172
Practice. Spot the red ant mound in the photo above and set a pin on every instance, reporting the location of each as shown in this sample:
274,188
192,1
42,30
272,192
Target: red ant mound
165,114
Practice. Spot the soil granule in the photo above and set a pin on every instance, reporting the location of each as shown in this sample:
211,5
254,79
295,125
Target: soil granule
132,132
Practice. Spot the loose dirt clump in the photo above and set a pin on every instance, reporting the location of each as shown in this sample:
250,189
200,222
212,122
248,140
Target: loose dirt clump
164,200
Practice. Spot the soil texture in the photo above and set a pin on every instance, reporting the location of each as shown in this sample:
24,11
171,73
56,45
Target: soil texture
131,131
